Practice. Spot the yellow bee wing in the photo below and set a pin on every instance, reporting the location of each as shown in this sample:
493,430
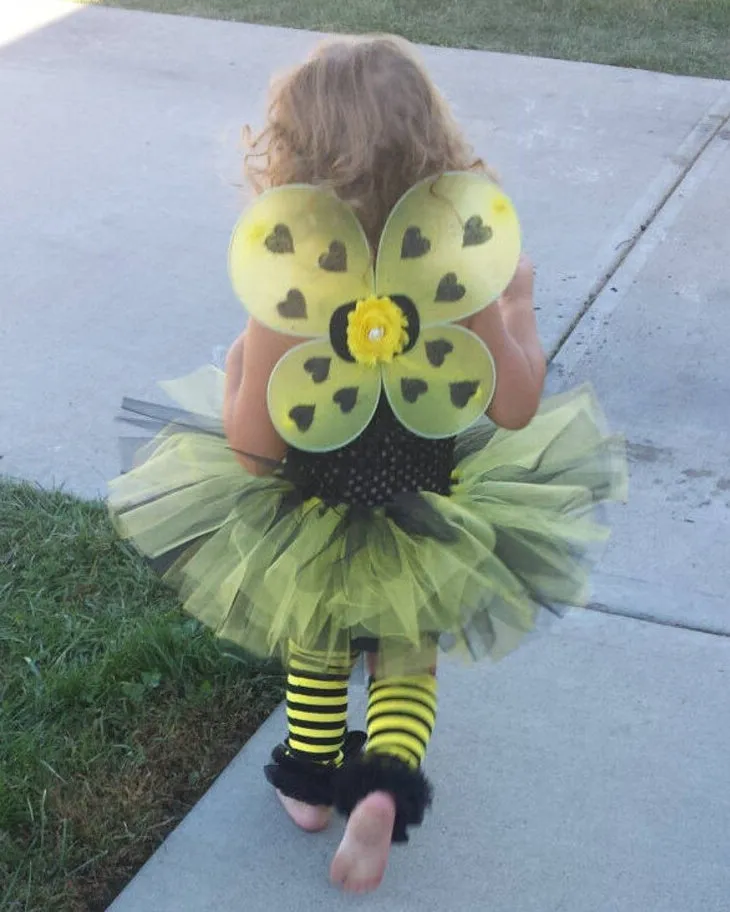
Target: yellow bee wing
318,401
451,244
297,254
443,384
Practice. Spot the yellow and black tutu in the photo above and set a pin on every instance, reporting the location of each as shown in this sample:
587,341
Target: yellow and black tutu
265,562
400,516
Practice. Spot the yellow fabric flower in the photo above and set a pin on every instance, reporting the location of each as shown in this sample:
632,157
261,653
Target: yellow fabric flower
376,331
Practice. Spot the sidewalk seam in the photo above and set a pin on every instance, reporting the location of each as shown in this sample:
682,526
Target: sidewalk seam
710,125
600,608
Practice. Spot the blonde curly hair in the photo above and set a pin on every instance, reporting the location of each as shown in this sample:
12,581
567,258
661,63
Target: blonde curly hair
361,117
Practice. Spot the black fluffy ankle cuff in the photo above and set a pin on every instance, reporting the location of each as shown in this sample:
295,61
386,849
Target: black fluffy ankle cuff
300,779
306,780
368,773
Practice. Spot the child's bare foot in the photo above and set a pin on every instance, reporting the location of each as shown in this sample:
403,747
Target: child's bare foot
310,817
361,859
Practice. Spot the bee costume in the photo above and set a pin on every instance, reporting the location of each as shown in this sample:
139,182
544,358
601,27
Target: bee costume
401,519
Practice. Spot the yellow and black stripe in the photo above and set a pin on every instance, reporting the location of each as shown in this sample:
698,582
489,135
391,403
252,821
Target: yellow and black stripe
401,716
316,704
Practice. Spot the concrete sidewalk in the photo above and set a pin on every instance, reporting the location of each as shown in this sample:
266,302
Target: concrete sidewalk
655,346
585,774
588,772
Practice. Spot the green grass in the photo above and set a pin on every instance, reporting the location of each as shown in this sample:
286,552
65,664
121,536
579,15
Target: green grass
116,712
677,36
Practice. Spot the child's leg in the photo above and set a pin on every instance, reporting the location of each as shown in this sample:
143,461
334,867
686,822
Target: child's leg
385,792
316,708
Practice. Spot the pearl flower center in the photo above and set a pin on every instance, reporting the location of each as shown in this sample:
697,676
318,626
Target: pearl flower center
376,331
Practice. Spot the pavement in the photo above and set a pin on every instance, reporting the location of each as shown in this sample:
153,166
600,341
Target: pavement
588,772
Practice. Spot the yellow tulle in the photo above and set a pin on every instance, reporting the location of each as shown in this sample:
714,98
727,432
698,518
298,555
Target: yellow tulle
518,533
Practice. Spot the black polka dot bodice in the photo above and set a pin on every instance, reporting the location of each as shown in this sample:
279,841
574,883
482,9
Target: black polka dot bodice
385,460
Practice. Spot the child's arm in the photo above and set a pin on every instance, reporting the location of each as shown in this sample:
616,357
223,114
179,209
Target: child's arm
246,419
509,330
234,373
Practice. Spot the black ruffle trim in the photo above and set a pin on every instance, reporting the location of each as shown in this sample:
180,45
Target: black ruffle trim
304,779
372,772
